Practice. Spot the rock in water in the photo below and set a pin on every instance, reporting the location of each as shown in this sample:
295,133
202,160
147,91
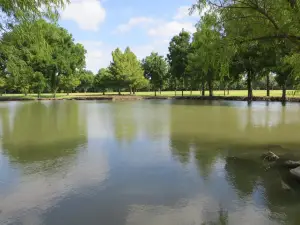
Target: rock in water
296,172
270,156
291,164
285,186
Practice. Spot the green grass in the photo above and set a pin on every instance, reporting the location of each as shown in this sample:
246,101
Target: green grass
242,93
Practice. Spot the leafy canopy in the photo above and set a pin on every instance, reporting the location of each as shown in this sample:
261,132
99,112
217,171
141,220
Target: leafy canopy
126,70
156,69
54,55
20,11
179,48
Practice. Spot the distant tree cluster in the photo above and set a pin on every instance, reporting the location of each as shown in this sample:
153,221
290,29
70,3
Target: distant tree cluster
240,44
50,61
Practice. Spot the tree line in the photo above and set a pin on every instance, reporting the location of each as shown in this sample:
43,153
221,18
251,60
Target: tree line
241,44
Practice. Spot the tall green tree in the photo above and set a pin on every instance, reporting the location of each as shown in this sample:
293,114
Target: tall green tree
20,74
268,22
156,70
118,69
134,71
285,71
39,83
3,84
69,83
127,71
210,52
86,80
179,49
54,55
13,11
103,80
248,61
194,68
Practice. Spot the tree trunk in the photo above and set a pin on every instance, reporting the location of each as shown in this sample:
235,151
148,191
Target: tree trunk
39,95
68,93
228,91
268,85
284,92
133,91
119,91
210,88
224,91
175,87
211,92
155,92
130,90
182,88
26,94
54,94
249,86
160,91
203,88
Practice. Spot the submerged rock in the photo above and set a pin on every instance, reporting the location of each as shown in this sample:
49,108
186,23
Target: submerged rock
291,164
285,186
270,156
296,172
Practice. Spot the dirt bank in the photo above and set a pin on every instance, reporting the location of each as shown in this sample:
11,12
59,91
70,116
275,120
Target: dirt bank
238,98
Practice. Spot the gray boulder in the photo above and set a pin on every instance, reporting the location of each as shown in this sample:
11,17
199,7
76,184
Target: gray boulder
291,164
296,172
270,156
285,186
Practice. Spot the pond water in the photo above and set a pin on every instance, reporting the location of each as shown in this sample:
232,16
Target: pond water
152,162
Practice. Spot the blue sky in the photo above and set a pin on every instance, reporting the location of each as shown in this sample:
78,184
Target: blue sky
143,25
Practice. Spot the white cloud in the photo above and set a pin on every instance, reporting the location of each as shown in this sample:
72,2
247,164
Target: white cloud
157,27
163,28
42,191
159,46
88,14
135,21
97,56
159,31
172,28
183,13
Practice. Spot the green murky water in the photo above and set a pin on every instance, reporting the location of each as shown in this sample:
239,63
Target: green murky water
146,162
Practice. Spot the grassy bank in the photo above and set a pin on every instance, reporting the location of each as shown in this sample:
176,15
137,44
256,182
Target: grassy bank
232,93
236,93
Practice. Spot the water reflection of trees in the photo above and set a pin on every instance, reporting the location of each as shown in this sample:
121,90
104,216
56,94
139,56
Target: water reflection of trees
132,120
125,127
237,169
221,220
234,128
42,131
207,132
200,131
248,177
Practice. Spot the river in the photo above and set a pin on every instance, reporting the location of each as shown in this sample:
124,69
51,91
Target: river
149,162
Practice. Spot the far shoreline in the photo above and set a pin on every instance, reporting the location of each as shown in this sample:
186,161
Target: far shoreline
135,97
